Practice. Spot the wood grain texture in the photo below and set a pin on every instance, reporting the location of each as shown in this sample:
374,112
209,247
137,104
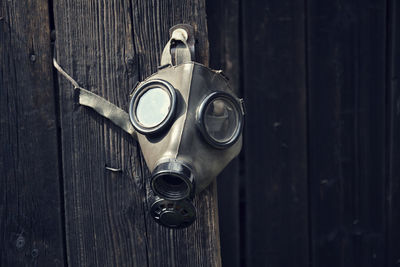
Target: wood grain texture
346,57
275,133
225,45
30,207
393,144
108,46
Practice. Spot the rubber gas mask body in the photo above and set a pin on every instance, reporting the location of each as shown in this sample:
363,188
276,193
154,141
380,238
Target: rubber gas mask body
188,124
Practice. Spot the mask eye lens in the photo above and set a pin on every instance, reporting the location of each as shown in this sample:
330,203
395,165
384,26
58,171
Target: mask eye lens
220,120
153,107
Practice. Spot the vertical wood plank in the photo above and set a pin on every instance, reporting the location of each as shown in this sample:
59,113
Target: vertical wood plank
275,133
223,31
108,46
393,145
346,56
30,214
197,245
104,213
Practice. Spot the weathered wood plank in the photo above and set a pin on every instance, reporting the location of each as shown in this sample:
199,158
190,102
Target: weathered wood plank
108,46
30,215
346,57
223,32
275,133
104,213
393,144
197,245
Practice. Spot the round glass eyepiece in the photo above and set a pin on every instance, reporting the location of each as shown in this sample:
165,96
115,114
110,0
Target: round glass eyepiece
220,119
152,106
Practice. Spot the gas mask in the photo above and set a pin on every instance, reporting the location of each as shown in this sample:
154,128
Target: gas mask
188,123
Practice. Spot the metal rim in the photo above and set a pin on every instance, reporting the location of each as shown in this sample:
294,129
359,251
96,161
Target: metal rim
169,191
134,102
201,124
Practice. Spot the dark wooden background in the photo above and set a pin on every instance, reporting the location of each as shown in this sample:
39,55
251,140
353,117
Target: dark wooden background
317,182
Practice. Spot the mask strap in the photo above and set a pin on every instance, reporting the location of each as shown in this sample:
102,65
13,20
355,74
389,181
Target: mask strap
107,109
177,50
